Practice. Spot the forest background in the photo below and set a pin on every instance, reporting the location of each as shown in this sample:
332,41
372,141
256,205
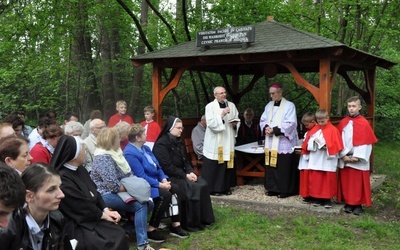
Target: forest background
74,55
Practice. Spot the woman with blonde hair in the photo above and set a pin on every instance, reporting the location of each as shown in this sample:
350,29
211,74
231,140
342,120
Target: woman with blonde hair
108,169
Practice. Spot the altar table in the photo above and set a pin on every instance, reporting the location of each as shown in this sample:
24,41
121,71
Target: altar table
250,159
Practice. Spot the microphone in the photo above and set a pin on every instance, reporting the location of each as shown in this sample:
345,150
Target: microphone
226,104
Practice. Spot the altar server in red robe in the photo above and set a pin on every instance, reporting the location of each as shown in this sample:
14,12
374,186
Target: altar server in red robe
324,146
309,123
354,166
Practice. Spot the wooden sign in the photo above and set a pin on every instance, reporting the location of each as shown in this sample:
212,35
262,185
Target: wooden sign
244,34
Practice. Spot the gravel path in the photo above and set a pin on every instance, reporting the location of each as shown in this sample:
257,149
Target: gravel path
254,195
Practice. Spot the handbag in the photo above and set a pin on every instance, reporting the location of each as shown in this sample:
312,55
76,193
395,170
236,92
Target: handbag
136,187
173,208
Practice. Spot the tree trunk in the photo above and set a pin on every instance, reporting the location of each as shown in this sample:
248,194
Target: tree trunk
109,90
82,61
139,71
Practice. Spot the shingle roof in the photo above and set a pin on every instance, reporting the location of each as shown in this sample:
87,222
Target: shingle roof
270,36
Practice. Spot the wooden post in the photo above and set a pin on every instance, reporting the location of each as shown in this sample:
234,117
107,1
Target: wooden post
158,93
156,89
370,78
324,98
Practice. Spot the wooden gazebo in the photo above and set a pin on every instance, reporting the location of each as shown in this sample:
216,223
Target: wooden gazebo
278,48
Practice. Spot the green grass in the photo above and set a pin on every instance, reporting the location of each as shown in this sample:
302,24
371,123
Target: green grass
236,229
378,228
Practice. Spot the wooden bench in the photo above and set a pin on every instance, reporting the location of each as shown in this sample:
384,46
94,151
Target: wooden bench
196,163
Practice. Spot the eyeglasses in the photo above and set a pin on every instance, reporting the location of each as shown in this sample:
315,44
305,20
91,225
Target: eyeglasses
179,128
273,93
221,93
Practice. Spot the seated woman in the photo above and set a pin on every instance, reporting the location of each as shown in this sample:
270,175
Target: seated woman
39,225
14,152
44,149
196,207
123,128
108,169
145,165
88,220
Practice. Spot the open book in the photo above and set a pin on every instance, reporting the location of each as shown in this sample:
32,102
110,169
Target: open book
234,120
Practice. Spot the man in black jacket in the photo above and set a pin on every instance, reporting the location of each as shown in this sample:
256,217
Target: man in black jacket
12,193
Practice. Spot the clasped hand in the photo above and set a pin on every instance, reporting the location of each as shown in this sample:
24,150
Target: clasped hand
165,185
348,158
269,131
112,216
192,177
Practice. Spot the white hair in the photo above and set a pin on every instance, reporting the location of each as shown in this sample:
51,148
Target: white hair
95,122
122,126
73,126
215,89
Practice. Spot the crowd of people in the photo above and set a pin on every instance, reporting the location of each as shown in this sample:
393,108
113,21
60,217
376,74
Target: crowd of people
90,176
333,162
67,186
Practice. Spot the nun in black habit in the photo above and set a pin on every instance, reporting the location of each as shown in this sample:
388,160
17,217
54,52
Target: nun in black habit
88,220
196,208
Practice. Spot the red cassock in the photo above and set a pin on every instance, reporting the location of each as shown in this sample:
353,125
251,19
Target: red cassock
304,173
323,184
354,186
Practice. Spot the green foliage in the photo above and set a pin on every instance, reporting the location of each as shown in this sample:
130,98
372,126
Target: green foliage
40,68
386,162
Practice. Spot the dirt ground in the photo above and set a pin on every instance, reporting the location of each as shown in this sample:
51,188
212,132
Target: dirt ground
252,197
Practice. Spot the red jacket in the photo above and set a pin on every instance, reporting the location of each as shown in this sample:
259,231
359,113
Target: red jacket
153,130
40,154
117,118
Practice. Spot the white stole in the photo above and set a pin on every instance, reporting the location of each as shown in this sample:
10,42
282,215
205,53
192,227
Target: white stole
271,161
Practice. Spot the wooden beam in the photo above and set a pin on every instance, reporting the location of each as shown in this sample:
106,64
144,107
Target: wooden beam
156,89
333,75
172,84
301,81
270,70
324,98
244,57
337,51
370,76
291,54
204,59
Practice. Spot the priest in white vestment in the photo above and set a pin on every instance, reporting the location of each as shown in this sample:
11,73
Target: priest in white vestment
279,124
219,143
